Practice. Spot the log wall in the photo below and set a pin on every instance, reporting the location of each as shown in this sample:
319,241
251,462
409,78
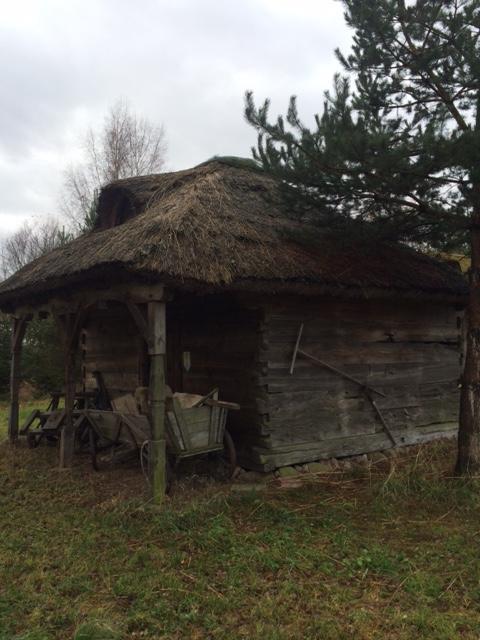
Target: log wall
112,345
409,351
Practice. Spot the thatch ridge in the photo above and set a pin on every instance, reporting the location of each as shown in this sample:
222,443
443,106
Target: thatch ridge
224,226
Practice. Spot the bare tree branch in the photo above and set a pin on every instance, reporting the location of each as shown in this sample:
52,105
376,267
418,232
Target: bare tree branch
126,146
29,242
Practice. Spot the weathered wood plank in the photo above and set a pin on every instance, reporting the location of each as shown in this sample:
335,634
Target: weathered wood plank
268,460
157,339
370,354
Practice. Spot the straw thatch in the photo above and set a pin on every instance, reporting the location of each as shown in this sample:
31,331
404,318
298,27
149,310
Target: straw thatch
222,226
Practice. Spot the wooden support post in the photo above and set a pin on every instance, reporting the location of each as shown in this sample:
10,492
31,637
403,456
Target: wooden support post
67,437
19,326
70,325
156,349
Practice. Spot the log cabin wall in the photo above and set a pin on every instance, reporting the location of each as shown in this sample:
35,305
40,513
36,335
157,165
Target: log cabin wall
407,350
112,345
410,351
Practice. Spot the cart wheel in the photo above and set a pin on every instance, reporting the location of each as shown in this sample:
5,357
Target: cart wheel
33,439
102,457
51,441
92,445
229,455
82,438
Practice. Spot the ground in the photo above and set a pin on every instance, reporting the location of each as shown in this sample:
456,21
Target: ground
387,551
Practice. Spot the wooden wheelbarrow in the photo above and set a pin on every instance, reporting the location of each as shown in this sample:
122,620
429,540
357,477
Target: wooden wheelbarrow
46,425
195,426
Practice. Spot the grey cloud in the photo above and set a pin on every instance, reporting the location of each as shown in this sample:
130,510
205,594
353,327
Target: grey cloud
181,62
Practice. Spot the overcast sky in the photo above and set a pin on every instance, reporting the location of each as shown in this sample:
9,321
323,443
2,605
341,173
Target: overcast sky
183,63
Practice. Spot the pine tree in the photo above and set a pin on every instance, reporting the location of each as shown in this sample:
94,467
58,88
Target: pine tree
398,144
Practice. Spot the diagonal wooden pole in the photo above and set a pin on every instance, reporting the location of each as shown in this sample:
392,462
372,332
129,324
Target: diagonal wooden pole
321,363
369,391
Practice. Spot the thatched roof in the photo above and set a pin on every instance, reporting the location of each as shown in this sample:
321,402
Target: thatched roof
222,226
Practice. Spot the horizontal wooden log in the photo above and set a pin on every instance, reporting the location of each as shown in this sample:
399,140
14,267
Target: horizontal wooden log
383,377
321,408
367,354
304,310
326,334
268,460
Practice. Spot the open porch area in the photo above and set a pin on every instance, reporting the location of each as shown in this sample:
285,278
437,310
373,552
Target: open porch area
146,308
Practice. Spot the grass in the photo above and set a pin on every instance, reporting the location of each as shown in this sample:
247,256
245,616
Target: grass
26,409
385,552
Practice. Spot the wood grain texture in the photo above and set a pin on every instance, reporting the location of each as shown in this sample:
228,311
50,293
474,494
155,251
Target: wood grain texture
112,344
408,351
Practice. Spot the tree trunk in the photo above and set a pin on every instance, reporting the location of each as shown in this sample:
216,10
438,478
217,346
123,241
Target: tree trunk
468,460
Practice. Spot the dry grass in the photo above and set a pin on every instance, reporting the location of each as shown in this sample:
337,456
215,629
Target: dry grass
218,225
381,552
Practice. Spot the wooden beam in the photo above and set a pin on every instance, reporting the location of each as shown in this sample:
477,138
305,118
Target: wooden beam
157,328
19,326
157,351
134,292
139,319
78,320
67,437
70,326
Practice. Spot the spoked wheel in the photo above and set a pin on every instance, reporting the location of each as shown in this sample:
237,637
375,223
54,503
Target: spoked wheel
229,454
110,455
101,455
92,442
226,459
33,439
82,438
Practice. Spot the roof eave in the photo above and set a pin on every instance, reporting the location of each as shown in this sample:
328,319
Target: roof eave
99,278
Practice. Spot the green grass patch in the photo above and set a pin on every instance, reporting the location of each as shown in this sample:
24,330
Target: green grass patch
384,553
26,409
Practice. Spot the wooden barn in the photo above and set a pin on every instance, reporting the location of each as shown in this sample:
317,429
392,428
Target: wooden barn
204,278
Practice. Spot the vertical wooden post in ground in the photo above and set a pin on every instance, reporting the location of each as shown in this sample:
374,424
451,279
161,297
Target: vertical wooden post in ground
19,326
70,325
157,350
67,437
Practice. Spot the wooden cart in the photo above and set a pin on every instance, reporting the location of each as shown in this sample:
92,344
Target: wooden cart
195,426
46,425
49,423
